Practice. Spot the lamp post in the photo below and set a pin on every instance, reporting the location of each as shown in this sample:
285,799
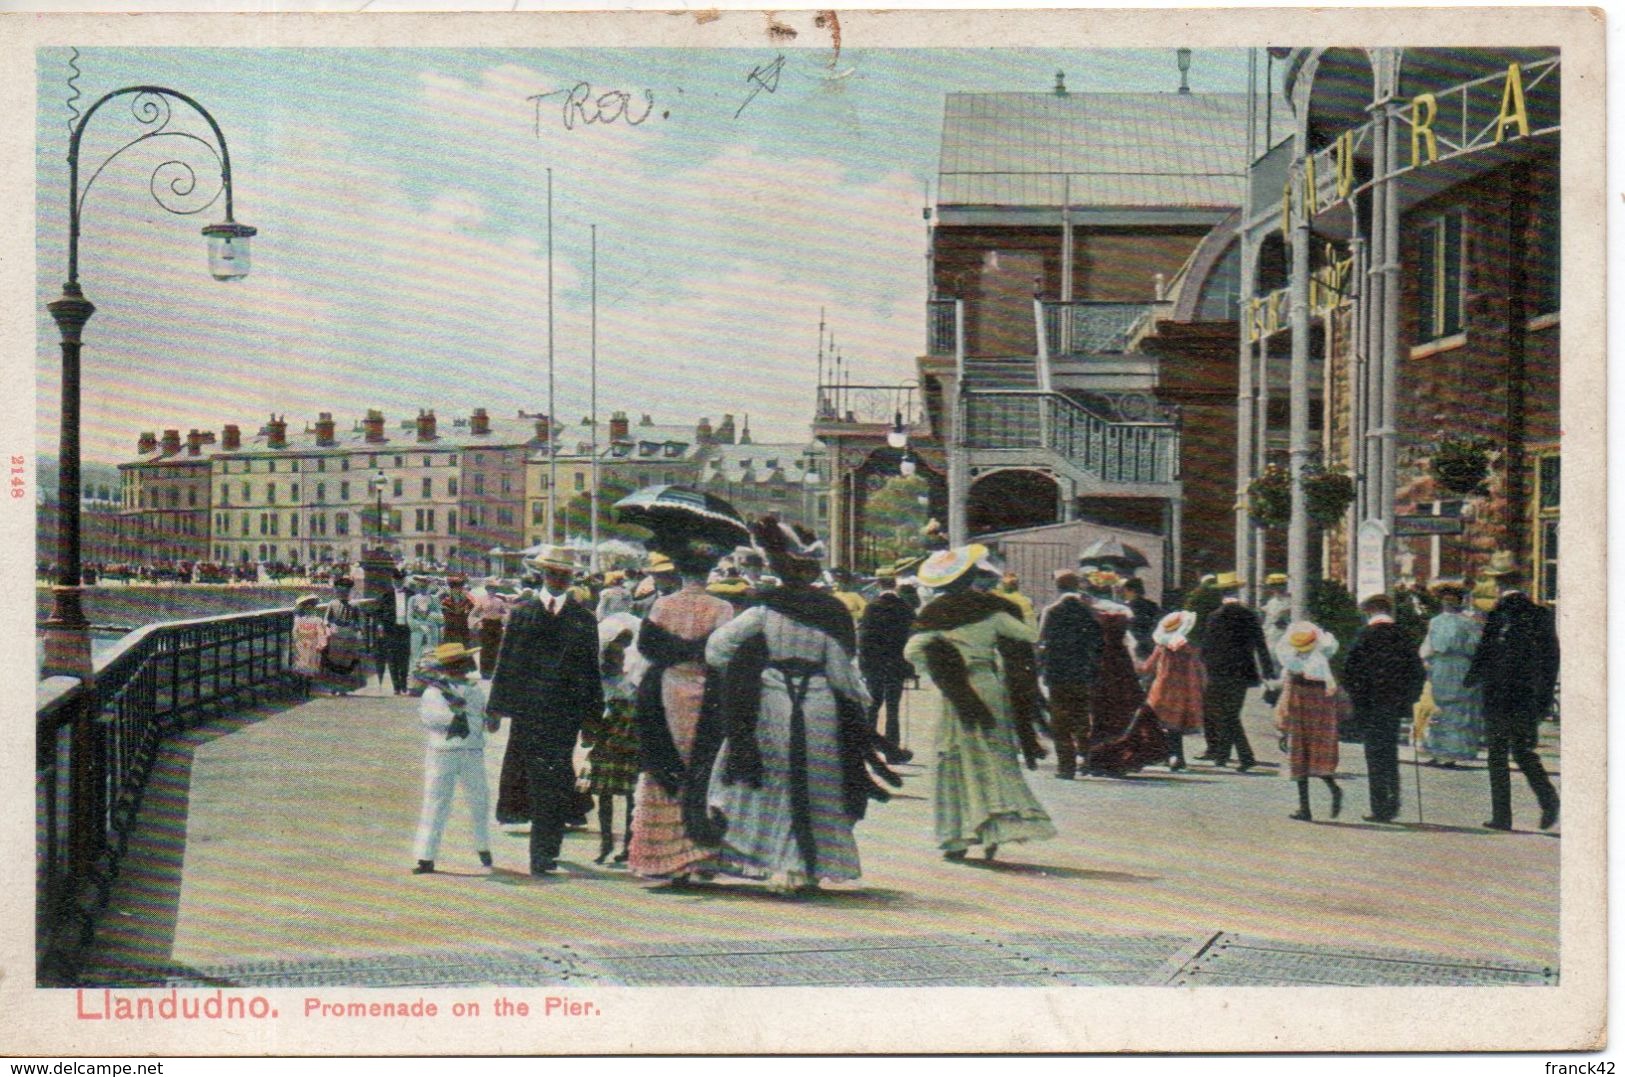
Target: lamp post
67,632
378,482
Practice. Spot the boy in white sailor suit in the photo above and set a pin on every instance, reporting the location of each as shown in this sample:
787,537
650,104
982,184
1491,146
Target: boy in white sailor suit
455,723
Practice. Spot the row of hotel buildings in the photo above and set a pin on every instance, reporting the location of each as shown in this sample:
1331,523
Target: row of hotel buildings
450,496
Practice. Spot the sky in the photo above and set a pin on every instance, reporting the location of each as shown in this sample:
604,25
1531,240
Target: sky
401,198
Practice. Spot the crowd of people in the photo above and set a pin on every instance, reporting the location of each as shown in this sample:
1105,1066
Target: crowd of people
741,704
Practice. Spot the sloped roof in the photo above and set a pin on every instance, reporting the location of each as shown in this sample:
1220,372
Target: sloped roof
1120,150
758,462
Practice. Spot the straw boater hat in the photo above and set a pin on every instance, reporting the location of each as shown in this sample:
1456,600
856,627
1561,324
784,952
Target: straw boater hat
556,558
659,565
728,587
1275,579
306,601
1176,625
613,578
447,653
1227,581
946,566
1501,564
1104,579
645,587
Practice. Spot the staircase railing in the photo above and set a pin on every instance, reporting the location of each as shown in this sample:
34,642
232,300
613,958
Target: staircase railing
1118,452
1083,327
96,746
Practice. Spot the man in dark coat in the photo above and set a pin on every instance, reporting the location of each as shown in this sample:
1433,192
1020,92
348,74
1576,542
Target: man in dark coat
547,680
1237,659
1384,675
1146,615
1516,664
882,634
1069,643
394,634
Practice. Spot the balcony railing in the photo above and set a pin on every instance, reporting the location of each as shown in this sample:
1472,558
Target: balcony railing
96,747
871,404
1118,452
939,327
1087,328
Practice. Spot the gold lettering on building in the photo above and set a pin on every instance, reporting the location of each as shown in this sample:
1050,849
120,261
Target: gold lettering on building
1513,110
1343,156
1422,128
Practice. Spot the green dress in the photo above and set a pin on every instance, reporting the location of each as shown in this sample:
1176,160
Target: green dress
981,797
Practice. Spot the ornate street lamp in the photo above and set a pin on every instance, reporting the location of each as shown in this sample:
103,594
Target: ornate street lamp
67,635
897,436
378,482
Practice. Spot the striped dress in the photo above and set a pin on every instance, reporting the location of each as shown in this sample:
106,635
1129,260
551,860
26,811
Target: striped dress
660,846
760,841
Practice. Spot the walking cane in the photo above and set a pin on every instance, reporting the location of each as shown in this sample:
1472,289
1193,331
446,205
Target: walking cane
1416,766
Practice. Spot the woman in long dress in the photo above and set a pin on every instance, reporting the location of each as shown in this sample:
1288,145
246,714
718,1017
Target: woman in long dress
1456,727
977,650
1307,713
1178,682
789,782
668,710
1126,735
344,662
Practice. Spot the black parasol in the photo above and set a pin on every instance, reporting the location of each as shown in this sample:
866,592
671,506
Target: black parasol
676,513
1110,552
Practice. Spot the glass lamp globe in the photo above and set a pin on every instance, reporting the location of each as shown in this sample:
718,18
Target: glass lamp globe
229,250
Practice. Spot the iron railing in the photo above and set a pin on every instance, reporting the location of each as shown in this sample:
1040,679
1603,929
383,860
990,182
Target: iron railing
96,747
1118,452
1088,328
940,335
871,404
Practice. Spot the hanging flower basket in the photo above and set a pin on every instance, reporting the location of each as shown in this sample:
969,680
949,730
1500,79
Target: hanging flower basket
1269,498
1460,464
1327,495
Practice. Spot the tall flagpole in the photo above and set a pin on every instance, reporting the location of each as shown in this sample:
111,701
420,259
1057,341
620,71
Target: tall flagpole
820,405
593,366
552,413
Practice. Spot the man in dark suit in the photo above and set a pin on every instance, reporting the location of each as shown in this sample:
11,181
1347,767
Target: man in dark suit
1384,675
1516,663
882,634
547,681
1237,659
1146,615
394,633
1069,642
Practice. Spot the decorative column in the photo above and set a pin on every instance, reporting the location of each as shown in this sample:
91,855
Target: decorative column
1297,541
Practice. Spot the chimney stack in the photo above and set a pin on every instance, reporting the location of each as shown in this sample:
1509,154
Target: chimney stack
373,424
426,425
232,438
324,429
276,433
544,428
744,434
146,443
620,427
725,431
172,442
479,422
646,421
194,442
702,432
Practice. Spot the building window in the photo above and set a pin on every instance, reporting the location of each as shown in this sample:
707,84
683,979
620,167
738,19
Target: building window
272,468
372,462
451,487
400,461
397,487
581,481
293,491
451,461
536,512
417,521
293,525
248,497
1439,278
191,497
395,521
341,523
428,461
428,487
270,493
504,516
244,520
506,486
344,491
451,522
293,465
1548,505
344,463
321,492
431,551
321,463
429,516
479,483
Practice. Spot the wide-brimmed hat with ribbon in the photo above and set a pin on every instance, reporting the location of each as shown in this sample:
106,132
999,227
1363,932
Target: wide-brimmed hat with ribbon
1305,636
1501,564
304,602
1275,579
1176,625
556,558
659,565
946,566
792,551
1227,581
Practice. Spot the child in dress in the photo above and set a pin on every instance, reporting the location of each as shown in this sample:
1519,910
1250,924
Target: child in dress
611,739
1306,714
1179,680
310,634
